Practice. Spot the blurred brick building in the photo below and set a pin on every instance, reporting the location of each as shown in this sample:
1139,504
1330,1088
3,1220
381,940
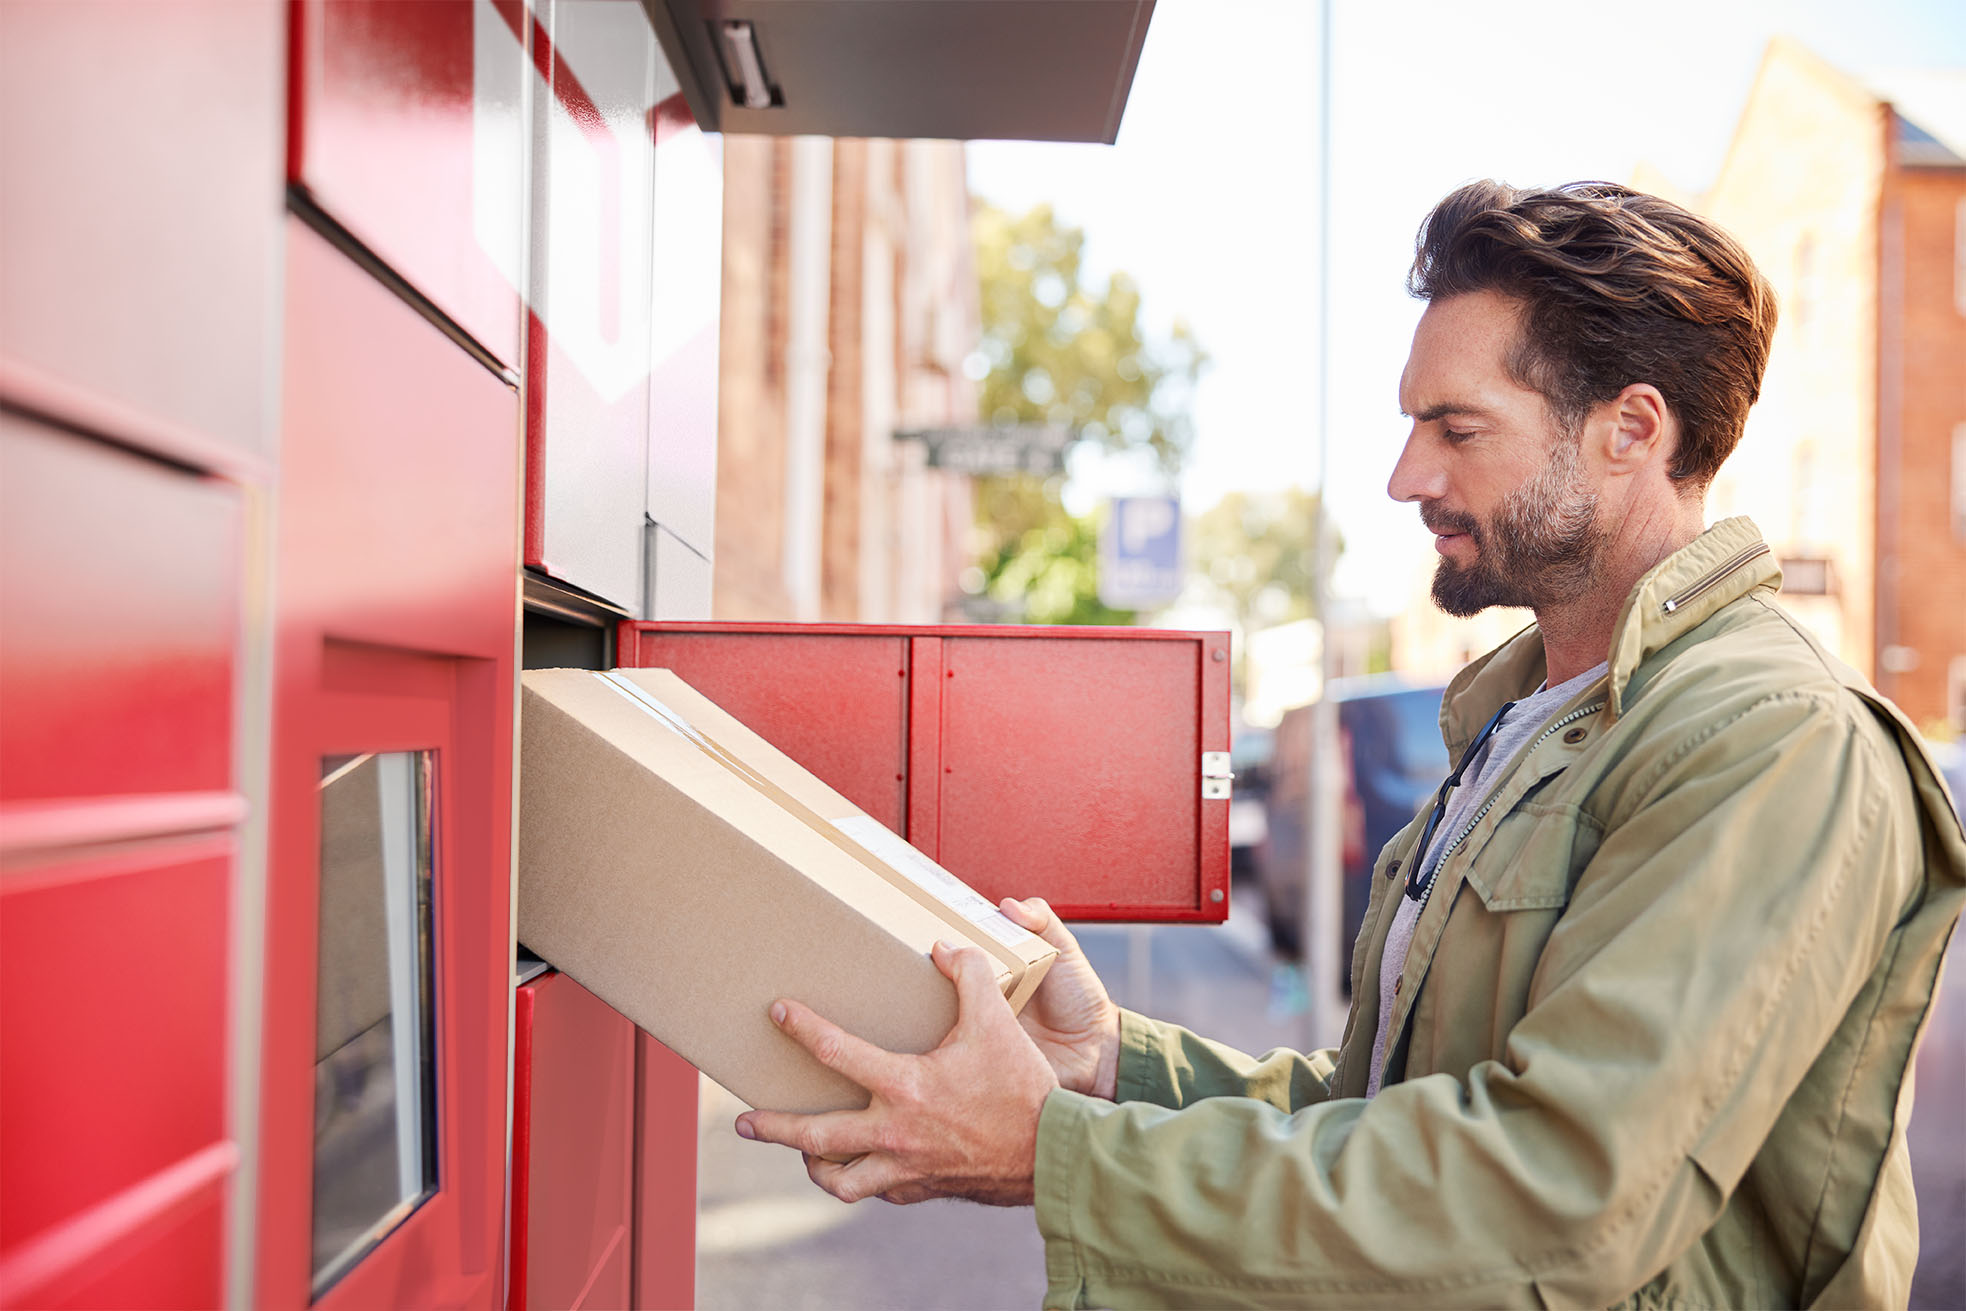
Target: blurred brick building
1851,196
849,305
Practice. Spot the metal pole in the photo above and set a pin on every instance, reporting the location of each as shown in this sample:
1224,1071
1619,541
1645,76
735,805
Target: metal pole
1140,966
1321,927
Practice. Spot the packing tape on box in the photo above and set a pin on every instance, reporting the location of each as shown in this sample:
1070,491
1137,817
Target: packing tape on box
920,886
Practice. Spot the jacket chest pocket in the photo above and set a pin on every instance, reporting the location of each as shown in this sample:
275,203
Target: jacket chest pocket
1490,948
1533,857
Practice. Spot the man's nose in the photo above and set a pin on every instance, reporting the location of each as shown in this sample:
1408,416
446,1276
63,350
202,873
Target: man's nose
1415,476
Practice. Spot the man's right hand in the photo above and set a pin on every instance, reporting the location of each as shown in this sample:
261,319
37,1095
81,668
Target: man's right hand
1070,1017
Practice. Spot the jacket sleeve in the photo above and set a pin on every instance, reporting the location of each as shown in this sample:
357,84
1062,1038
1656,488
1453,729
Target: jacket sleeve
1168,1066
1740,899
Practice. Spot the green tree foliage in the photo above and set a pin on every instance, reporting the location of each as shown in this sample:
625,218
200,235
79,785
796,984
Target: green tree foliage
1060,350
1255,549
1052,574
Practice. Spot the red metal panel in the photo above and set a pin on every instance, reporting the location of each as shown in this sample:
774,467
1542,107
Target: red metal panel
926,677
398,599
1071,771
113,984
142,217
665,1178
1047,761
572,1187
400,470
175,1261
836,703
588,360
94,536
407,128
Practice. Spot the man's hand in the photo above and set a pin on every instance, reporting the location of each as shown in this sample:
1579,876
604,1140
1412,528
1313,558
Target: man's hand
1070,1017
960,1121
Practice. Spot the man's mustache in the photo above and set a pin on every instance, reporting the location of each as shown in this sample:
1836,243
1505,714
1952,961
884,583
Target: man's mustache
1443,521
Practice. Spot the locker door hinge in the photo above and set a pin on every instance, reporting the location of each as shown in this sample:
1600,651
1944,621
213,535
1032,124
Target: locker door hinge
1216,776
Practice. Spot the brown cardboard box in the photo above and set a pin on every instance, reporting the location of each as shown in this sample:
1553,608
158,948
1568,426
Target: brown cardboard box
688,873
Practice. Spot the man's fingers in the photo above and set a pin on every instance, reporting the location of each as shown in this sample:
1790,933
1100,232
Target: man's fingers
1034,914
974,976
839,1134
870,1176
835,1048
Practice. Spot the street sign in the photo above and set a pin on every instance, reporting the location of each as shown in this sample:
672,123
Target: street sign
985,449
1140,552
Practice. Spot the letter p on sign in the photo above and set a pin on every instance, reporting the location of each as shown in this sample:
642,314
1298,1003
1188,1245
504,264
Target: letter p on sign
1140,553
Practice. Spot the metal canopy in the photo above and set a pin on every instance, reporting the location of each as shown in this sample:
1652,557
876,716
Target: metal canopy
1028,70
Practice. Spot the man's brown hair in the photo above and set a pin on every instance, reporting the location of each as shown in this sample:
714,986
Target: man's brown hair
1617,287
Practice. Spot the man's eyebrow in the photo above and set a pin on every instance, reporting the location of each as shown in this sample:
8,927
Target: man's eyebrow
1434,413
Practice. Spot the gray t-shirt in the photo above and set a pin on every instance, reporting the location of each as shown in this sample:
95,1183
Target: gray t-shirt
1517,729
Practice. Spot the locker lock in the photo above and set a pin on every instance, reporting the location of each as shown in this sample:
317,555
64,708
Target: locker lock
1216,776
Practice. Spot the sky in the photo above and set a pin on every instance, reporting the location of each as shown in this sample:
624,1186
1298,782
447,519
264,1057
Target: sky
1209,197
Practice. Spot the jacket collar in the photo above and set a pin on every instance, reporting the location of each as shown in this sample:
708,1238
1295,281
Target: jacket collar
1682,591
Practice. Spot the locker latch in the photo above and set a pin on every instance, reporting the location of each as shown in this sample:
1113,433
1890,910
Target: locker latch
1215,776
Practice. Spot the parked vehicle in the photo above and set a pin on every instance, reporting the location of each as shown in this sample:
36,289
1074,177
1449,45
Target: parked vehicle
1952,766
1250,749
1393,758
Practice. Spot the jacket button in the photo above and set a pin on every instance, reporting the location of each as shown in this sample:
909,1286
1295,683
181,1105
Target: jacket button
1576,735
1392,870
1398,984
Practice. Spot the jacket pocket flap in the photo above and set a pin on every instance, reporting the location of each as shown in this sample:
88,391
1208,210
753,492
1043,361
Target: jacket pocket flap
1531,859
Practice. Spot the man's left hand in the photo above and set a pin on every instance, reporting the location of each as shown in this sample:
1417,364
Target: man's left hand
959,1121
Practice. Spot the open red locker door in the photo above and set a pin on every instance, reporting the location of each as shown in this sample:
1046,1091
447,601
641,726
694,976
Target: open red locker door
1087,766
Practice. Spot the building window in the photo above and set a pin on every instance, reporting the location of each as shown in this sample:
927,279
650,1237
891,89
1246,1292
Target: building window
1959,258
1959,482
1956,693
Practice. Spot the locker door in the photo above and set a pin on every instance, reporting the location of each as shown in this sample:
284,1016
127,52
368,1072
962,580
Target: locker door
1076,764
118,855
573,1116
142,211
601,77
666,1089
387,978
409,131
687,296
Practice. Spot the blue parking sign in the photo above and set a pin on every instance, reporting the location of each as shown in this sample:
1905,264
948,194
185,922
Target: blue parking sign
1140,552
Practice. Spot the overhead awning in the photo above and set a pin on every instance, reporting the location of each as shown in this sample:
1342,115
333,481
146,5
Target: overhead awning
1027,70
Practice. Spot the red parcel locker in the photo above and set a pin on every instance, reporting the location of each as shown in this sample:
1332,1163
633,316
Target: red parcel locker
1088,766
573,1124
117,863
397,609
406,126
141,209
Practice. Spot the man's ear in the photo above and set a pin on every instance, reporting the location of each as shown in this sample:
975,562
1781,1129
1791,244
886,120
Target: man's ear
1637,429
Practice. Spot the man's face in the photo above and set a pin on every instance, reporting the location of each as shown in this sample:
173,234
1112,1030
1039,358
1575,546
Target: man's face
1502,486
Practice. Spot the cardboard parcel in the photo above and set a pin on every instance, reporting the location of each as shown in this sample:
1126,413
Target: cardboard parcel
688,873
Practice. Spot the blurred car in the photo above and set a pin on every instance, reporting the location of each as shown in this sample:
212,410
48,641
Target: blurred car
1393,759
1951,758
1250,748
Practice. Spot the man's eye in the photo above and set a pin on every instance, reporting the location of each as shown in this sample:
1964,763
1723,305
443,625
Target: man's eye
1456,437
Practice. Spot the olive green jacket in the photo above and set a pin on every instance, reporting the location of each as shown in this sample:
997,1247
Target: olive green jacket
1653,1040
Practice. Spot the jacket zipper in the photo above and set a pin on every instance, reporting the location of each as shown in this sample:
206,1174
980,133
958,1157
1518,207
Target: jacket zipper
1495,794
1426,893
1712,580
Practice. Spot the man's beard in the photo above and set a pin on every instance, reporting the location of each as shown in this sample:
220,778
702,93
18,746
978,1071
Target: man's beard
1539,549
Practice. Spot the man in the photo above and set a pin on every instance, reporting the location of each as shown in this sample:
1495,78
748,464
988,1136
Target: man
1635,1003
